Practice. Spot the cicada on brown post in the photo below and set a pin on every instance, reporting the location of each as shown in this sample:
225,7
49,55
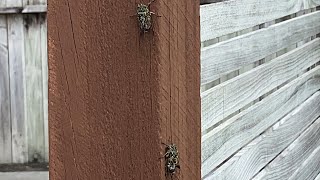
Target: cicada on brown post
171,159
144,16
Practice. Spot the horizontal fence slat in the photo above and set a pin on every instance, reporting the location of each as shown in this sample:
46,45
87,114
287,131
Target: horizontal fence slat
226,17
310,168
10,10
223,141
28,9
222,58
20,3
318,177
35,9
248,162
292,157
34,2
221,101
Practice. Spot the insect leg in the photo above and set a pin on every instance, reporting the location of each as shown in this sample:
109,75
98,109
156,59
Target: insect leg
154,14
150,3
165,144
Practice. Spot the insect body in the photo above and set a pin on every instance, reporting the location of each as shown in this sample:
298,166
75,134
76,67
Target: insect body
144,17
172,158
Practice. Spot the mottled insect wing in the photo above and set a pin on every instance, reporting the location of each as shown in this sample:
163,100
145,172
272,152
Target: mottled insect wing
172,159
144,17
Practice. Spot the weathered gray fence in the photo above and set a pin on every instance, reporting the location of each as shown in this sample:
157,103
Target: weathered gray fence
23,82
260,89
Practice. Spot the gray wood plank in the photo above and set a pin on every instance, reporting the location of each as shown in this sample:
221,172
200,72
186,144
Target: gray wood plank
293,157
258,153
226,17
226,139
5,124
219,102
318,177
2,4
44,60
310,168
35,115
34,2
10,10
13,3
17,89
222,58
28,9
34,9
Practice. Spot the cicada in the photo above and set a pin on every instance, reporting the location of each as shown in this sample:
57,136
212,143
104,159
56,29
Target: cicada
172,159
145,17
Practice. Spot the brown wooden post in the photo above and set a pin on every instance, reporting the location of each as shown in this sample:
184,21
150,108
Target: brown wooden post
116,95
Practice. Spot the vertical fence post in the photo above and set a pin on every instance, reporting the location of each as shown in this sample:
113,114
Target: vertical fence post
115,94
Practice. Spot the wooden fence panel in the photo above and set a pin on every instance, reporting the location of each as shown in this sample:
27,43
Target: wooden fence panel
221,58
223,141
34,88
222,18
221,101
258,153
251,80
5,124
24,88
310,168
293,157
17,89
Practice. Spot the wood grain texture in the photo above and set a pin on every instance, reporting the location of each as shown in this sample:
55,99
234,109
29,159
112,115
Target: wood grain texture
44,63
310,168
227,56
2,4
293,157
226,17
223,141
34,9
253,157
116,94
318,177
222,100
33,2
17,89
34,96
5,122
12,3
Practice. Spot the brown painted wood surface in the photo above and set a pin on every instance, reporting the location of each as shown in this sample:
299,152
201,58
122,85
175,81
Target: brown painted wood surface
115,95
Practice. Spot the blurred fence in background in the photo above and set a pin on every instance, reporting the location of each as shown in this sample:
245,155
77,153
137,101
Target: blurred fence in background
23,81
